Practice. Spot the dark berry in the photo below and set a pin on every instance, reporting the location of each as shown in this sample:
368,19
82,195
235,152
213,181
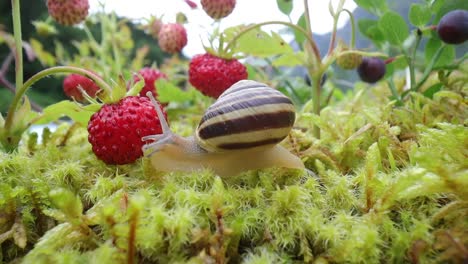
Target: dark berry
371,69
453,27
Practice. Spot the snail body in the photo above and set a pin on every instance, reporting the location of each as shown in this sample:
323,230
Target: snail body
239,132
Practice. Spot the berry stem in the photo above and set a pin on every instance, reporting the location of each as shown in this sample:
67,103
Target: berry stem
411,59
315,77
352,43
53,70
394,91
308,33
336,15
18,42
429,68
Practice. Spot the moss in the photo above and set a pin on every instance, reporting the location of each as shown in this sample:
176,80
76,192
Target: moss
385,184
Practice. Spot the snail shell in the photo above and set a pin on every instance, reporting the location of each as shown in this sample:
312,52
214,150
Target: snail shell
247,115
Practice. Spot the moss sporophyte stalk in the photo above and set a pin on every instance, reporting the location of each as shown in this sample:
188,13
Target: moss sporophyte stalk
373,174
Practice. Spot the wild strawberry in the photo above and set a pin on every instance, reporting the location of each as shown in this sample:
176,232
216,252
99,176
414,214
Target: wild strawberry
150,75
172,37
115,131
213,75
71,85
154,26
68,12
217,9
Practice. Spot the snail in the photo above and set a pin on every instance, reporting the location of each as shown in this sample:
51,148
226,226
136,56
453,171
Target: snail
240,131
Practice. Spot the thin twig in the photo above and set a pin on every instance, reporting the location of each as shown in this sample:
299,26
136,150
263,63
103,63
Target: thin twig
6,64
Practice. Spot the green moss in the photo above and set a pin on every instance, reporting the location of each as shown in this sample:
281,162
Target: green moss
385,184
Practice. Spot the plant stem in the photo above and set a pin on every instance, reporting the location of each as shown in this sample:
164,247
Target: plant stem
18,42
15,4
309,32
336,16
394,91
54,70
316,91
315,77
429,68
412,58
353,28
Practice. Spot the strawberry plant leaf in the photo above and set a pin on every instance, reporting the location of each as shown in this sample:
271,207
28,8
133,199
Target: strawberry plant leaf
261,44
419,15
395,28
290,59
285,6
73,110
23,115
136,87
168,92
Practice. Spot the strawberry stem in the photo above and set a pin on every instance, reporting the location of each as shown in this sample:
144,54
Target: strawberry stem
308,33
53,70
18,42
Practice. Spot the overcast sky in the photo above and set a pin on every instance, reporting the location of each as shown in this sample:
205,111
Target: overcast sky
246,11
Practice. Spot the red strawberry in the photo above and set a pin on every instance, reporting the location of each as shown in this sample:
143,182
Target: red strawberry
213,75
73,81
68,12
154,27
150,75
217,9
172,37
115,131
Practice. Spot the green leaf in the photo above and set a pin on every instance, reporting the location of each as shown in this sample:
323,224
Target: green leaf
136,87
168,92
375,7
447,56
442,7
394,27
261,44
298,36
75,111
285,6
44,57
370,29
429,92
290,59
419,15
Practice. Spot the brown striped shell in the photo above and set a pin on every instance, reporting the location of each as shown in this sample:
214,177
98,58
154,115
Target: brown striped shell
247,115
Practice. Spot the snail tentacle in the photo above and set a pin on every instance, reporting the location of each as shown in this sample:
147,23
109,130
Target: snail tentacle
164,125
160,140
